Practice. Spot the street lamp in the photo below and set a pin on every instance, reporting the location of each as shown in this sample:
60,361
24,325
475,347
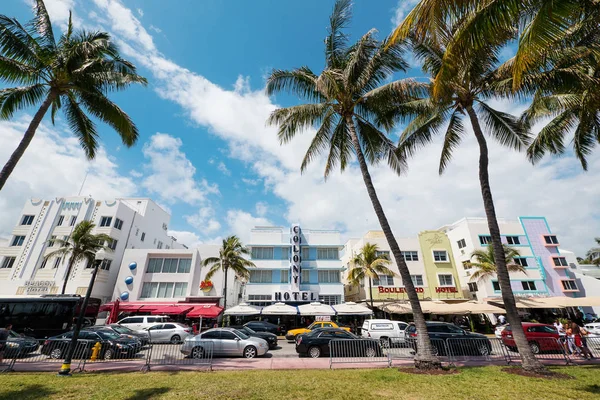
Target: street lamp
65,369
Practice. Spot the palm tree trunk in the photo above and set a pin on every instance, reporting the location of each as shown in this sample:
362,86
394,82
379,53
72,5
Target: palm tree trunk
29,134
69,267
225,268
424,359
512,315
371,292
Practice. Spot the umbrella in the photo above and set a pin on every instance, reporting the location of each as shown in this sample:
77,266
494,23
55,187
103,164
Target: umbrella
279,309
351,308
243,309
316,309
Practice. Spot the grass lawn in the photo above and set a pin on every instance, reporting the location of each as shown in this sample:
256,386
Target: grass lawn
470,383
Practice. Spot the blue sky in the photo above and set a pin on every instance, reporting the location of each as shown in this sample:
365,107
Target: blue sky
205,154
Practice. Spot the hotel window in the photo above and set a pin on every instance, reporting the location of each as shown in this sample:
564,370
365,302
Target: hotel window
170,266
462,244
18,241
446,280
112,244
157,290
285,276
118,223
522,261
262,253
569,285
27,220
528,285
467,265
327,253
305,276
485,239
43,264
51,241
410,255
384,253
185,265
329,276
143,236
165,289
550,239
472,287
285,253
560,262
261,276
496,286
105,264
60,220
105,221
159,245
513,240
8,262
57,262
259,297
384,280
331,300
155,265
305,253
417,280
180,289
73,220
440,256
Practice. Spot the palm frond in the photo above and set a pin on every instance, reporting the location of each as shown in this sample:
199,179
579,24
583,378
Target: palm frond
505,128
551,136
295,119
452,139
301,82
321,141
82,126
42,24
19,98
336,40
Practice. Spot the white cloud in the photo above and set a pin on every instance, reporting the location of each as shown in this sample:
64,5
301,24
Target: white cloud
261,208
135,174
191,239
171,175
53,166
223,168
140,12
240,223
402,10
155,29
204,220
251,182
59,10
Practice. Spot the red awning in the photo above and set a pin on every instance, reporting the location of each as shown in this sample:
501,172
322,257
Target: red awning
171,310
106,307
149,308
205,311
125,307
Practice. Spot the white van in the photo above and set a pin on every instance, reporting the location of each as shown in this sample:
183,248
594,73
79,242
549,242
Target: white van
384,329
140,322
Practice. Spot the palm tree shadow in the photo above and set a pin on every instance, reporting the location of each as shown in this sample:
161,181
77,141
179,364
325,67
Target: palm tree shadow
595,389
149,393
29,392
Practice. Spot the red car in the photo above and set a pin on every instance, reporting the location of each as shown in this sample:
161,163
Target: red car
541,337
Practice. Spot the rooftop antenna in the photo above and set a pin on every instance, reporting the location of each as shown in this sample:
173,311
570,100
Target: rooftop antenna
83,183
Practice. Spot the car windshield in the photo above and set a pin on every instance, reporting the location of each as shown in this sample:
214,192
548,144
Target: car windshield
108,335
247,330
313,332
122,329
241,334
13,334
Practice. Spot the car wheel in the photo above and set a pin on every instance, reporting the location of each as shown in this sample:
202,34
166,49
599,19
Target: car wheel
109,354
483,350
371,352
175,339
385,342
198,352
250,352
314,352
535,348
56,353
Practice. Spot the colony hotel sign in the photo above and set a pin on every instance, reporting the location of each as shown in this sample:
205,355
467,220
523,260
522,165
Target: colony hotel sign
294,294
38,287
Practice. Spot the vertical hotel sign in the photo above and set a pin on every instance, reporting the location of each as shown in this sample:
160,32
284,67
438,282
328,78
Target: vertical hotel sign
295,260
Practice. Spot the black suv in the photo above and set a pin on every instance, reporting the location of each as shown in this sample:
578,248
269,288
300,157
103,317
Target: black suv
263,326
462,343
271,338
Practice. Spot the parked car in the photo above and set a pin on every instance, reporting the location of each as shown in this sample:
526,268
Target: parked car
142,336
292,334
263,326
140,322
224,342
498,331
113,345
18,345
384,330
271,338
170,332
541,337
316,344
593,329
467,343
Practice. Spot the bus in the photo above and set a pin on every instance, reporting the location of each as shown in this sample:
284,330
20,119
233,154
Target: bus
45,316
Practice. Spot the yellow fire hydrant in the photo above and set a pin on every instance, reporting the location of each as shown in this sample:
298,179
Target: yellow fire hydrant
95,351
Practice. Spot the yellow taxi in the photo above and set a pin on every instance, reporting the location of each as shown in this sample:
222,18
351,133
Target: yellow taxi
293,333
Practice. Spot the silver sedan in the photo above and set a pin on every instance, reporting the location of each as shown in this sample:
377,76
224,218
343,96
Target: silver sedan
170,332
225,342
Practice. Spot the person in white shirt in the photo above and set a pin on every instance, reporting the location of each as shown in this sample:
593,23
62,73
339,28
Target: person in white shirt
559,327
502,319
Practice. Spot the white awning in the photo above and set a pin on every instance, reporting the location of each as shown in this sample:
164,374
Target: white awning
279,309
243,309
552,302
316,309
440,307
351,308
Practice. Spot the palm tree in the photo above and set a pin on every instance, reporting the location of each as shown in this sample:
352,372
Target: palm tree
369,264
351,103
486,263
82,245
465,94
231,256
79,69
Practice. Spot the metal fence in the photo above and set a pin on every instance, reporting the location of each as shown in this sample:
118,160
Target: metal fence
356,351
194,352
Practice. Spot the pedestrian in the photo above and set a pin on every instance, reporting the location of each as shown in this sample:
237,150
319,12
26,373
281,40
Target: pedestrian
4,334
570,337
581,341
559,326
501,319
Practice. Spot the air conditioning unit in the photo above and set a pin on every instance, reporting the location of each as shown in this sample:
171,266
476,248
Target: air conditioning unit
462,251
468,272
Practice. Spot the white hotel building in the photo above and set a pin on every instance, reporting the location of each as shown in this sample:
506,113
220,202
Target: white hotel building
317,276
132,223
